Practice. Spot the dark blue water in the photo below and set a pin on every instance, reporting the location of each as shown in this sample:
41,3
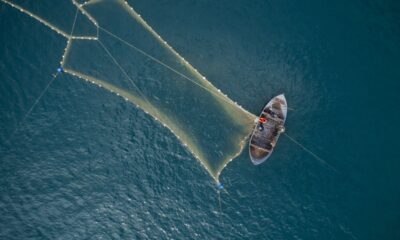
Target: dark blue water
87,165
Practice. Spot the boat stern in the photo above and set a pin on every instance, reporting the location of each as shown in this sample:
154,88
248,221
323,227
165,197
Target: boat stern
258,155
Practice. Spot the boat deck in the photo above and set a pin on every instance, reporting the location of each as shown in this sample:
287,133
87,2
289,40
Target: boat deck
263,141
266,139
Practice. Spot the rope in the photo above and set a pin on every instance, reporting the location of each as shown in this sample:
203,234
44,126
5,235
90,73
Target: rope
73,25
322,161
124,72
168,67
212,89
32,107
44,90
219,201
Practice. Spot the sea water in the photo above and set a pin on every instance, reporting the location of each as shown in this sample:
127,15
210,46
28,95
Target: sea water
87,164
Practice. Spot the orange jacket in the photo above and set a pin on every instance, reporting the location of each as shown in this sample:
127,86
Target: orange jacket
263,120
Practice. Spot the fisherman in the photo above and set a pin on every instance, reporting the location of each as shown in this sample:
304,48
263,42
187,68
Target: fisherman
262,120
273,114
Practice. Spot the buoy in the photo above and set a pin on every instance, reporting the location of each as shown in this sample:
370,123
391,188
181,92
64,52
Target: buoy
220,186
60,69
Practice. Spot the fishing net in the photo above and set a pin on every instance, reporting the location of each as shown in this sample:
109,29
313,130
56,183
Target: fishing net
111,46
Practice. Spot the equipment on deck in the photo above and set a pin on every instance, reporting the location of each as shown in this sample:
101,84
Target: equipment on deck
267,130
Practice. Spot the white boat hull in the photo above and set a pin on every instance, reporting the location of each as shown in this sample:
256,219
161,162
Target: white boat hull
264,138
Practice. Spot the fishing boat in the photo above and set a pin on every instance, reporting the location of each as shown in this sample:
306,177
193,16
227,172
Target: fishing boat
269,125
